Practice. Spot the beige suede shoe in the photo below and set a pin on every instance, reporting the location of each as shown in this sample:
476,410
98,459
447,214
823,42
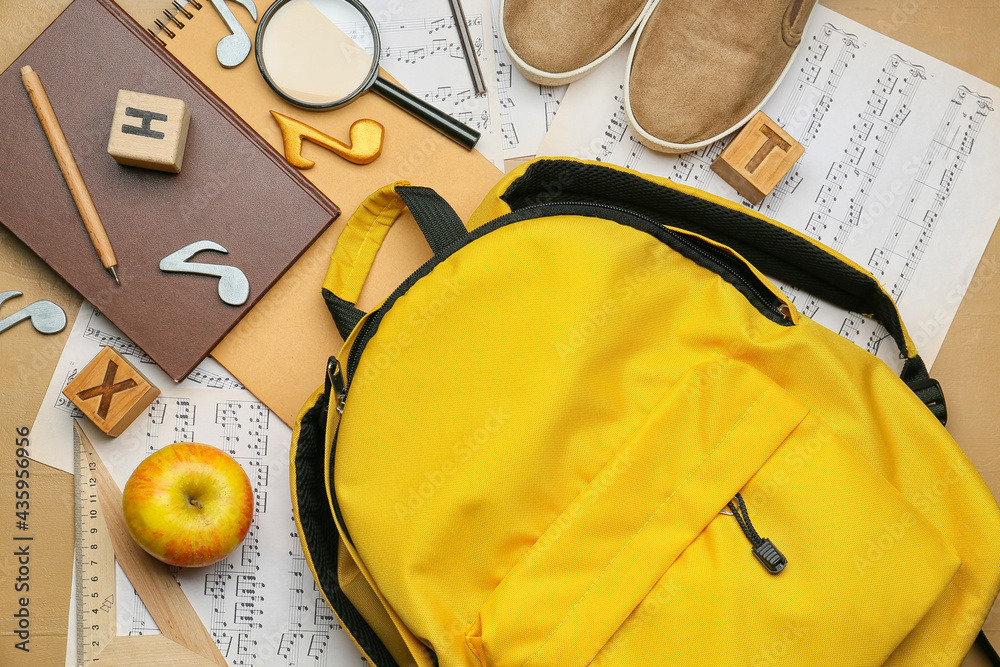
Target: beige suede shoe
698,71
554,42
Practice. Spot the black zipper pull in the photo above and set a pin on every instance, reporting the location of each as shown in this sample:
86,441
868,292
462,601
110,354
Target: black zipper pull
765,551
335,381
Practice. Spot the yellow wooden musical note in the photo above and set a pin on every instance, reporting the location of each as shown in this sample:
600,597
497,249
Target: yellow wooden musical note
365,146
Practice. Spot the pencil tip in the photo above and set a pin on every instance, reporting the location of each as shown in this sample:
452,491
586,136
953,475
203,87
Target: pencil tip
114,274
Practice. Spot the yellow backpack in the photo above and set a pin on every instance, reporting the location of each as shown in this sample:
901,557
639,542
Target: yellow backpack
591,431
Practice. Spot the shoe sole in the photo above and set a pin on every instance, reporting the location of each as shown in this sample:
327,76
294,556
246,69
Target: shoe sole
659,145
544,78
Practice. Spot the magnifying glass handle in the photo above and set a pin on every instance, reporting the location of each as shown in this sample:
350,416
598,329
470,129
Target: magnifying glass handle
439,120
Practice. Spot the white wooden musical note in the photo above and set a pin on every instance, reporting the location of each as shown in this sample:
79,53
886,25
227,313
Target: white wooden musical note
234,48
45,316
234,288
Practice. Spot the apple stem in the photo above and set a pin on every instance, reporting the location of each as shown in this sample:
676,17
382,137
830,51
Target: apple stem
195,502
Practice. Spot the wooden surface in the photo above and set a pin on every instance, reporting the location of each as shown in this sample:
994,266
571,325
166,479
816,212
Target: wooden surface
67,165
153,581
110,391
149,131
758,158
963,33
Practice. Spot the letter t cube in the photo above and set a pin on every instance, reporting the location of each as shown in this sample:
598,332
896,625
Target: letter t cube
149,131
758,158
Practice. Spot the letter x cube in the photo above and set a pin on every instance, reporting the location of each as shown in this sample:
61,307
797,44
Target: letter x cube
149,131
758,158
110,392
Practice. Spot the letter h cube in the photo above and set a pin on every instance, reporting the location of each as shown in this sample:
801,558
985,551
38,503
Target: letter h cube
149,131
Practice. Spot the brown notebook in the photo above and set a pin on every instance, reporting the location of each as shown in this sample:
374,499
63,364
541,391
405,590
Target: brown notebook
233,189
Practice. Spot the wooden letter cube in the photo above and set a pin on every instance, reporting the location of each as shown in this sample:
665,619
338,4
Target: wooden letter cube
758,158
111,392
149,131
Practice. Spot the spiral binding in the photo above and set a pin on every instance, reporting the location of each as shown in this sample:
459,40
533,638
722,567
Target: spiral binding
173,18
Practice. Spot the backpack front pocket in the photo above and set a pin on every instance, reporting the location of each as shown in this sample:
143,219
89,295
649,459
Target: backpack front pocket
603,558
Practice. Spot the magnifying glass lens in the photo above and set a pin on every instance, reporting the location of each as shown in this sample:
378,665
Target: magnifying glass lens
319,52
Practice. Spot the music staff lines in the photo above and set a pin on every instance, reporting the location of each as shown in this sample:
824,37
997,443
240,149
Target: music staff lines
864,153
696,166
813,96
244,425
505,84
896,260
63,404
309,619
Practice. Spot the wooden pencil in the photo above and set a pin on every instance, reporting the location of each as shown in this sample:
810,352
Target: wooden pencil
71,173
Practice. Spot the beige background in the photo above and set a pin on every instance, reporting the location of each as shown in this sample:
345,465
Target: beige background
964,33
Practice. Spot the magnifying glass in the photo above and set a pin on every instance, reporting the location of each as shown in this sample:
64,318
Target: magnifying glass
323,54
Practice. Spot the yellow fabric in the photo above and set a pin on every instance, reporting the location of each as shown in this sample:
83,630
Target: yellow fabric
540,436
493,207
295,505
360,242
370,606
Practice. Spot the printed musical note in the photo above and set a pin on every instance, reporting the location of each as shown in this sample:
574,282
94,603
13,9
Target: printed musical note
420,46
889,134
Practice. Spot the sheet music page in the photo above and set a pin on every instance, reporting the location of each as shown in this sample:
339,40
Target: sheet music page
261,605
422,50
92,331
526,108
899,174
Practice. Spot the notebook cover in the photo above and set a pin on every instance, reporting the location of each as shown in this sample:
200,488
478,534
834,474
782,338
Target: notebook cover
234,189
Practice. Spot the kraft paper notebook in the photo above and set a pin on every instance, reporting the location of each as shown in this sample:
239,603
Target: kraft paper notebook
233,189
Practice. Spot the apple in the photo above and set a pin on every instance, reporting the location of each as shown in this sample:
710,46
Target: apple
188,504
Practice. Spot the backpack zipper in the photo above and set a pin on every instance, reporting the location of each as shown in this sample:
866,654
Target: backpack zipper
773,560
734,265
335,381
731,265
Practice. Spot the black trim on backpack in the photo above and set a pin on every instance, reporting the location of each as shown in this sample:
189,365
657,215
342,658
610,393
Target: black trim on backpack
772,250
435,217
345,314
320,532
983,642
925,387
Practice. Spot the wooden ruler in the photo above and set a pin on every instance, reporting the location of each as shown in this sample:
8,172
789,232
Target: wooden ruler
102,537
95,562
